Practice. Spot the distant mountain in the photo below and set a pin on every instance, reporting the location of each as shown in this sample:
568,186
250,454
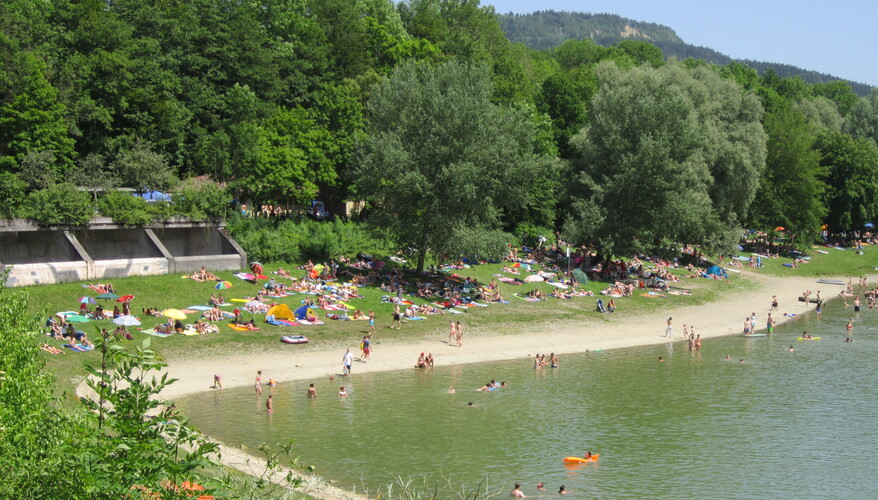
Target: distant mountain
547,29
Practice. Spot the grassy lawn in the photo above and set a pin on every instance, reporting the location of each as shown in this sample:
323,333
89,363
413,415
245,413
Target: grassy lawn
170,291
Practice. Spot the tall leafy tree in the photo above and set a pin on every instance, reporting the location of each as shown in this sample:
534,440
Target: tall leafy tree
863,120
441,159
851,194
31,116
669,154
790,191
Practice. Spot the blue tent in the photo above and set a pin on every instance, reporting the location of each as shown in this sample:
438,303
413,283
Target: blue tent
301,312
714,271
150,195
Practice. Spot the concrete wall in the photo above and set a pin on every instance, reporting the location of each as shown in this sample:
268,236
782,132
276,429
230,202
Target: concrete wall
36,247
45,255
121,268
213,262
195,241
129,243
46,274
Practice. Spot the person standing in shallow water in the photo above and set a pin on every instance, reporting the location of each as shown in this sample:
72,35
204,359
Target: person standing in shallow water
258,385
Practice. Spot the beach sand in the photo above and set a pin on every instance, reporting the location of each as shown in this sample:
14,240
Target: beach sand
724,317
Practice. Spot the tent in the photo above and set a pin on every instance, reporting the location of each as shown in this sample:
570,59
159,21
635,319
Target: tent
280,311
302,312
716,272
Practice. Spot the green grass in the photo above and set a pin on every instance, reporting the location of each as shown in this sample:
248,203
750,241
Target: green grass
170,291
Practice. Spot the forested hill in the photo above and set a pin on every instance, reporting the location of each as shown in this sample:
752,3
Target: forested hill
547,29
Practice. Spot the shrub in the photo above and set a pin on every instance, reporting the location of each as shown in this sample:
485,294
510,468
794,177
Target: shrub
60,204
204,201
12,190
125,209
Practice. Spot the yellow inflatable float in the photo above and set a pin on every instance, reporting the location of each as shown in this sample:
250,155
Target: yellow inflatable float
581,460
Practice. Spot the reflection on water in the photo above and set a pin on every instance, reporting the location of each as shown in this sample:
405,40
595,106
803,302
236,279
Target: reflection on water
779,424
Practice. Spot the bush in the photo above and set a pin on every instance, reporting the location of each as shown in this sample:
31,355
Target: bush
529,234
125,209
271,240
12,190
60,204
201,202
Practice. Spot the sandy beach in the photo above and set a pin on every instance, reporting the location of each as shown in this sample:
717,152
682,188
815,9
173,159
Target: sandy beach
711,320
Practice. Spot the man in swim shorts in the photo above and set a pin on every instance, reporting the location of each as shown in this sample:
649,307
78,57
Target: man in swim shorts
516,492
346,362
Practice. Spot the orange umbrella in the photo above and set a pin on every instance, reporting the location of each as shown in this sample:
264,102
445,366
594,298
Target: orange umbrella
779,228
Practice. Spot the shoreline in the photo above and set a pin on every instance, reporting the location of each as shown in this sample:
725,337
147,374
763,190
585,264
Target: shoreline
711,319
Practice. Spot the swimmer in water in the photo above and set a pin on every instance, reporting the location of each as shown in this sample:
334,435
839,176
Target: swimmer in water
562,490
540,486
312,392
268,405
792,349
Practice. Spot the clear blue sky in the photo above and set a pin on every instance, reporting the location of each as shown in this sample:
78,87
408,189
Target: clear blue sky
836,37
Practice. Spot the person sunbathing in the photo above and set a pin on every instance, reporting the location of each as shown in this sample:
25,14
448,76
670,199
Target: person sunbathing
50,349
358,315
311,316
163,328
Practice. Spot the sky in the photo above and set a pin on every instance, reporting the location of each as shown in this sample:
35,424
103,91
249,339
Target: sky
835,37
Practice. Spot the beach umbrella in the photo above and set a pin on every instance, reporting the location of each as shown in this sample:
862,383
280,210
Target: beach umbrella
125,298
533,278
222,285
127,321
580,276
108,296
76,318
173,314
319,268
87,300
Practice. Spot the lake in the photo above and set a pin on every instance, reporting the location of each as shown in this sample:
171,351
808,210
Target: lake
780,424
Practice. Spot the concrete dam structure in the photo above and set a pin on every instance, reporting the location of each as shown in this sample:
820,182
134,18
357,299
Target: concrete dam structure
105,250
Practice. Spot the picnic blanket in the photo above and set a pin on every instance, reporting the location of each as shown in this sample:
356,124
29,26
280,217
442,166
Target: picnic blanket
306,322
78,347
200,308
242,328
155,333
282,322
511,281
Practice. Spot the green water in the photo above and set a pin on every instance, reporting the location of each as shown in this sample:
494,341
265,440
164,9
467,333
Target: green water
779,425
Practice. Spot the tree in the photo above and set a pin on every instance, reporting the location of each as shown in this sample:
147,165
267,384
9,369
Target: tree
790,190
12,192
441,159
138,452
863,120
822,113
669,155
560,98
38,169
142,168
92,172
60,204
31,116
35,433
851,194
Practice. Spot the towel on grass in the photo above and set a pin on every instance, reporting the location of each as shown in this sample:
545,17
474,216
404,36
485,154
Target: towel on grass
78,347
306,322
242,328
155,333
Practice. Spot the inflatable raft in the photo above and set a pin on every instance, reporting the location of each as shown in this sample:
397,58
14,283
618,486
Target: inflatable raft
581,460
812,338
294,339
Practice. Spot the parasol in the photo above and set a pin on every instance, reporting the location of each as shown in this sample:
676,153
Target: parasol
173,314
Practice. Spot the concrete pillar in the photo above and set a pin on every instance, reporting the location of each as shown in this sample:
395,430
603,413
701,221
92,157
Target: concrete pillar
89,263
172,262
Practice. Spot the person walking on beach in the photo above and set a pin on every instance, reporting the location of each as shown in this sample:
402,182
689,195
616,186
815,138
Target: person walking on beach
367,348
773,303
396,321
669,331
346,361
258,385
217,381
459,334
452,334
